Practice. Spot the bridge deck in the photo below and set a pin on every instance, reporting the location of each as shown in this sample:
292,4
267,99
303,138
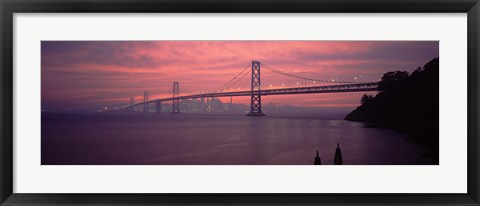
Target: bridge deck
359,87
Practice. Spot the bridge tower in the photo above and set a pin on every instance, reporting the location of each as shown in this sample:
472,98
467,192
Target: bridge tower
145,99
132,102
256,96
158,106
176,101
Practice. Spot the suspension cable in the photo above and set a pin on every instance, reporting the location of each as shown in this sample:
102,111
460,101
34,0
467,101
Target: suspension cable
300,77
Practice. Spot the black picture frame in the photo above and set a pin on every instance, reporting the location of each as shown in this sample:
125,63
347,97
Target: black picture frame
9,7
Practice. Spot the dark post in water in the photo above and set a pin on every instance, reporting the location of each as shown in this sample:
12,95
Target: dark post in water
317,161
338,156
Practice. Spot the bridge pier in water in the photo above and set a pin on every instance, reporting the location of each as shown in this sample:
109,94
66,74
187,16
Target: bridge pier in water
145,99
176,100
158,106
256,95
132,102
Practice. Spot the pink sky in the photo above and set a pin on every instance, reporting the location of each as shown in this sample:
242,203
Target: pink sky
96,74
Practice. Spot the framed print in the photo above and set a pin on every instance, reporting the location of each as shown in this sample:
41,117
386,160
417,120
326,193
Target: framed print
265,102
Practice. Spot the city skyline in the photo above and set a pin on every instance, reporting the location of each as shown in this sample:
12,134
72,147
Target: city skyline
95,74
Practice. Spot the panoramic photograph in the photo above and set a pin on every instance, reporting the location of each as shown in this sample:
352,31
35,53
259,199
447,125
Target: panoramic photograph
315,103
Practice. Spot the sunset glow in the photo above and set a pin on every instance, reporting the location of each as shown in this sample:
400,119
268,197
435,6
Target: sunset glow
98,74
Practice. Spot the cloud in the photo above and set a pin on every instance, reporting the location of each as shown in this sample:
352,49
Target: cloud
92,72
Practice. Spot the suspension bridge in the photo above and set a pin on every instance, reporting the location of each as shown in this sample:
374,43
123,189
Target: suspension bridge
272,82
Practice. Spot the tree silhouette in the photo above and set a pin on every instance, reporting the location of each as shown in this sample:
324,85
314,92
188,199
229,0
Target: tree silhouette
366,98
407,103
392,79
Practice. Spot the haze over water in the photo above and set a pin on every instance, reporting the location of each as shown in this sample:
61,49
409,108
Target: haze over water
218,139
81,77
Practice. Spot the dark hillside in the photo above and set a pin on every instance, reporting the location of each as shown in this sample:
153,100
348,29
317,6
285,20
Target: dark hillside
408,103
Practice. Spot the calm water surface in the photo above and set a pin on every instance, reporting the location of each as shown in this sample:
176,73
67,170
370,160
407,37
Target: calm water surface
217,139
